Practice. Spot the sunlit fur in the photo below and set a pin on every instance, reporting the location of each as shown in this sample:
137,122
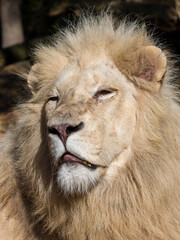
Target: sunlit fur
142,201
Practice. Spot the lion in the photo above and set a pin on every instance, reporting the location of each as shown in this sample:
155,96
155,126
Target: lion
95,151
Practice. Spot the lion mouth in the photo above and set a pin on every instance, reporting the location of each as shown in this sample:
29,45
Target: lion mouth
69,158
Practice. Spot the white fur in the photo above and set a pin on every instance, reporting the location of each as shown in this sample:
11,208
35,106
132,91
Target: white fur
74,178
56,147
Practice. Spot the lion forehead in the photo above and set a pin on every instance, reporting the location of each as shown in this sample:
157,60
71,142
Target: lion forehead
100,72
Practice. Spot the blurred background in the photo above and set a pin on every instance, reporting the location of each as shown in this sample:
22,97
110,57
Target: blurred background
25,22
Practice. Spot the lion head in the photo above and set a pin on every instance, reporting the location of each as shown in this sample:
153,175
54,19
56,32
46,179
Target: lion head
90,105
101,131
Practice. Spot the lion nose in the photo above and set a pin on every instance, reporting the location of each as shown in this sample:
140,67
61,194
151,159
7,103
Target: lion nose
65,130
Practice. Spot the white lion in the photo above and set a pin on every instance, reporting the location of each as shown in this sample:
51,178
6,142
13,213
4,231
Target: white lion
95,152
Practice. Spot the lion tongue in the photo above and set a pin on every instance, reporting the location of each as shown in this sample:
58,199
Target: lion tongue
70,158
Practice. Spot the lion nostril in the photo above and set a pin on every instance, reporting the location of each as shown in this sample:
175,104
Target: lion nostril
52,130
70,129
64,130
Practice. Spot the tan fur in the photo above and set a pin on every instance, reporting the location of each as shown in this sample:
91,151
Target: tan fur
138,200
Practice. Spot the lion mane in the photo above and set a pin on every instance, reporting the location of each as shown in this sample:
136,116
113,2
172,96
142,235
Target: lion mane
137,199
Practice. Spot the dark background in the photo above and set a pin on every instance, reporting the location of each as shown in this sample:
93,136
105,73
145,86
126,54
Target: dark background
24,23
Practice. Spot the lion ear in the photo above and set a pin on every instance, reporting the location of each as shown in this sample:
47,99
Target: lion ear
49,61
151,64
32,80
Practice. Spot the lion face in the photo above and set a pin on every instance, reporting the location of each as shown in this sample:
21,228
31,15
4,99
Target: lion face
90,120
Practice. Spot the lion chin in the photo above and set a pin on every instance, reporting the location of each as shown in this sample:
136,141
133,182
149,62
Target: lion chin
95,150
76,179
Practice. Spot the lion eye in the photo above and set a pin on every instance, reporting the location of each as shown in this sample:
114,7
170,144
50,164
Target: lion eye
104,94
54,99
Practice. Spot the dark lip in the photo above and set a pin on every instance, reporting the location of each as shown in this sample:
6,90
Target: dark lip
70,158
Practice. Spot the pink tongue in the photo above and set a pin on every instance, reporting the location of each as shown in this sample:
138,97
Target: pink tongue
70,158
